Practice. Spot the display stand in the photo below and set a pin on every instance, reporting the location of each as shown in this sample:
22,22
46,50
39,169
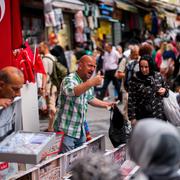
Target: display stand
96,144
72,156
60,166
52,168
30,114
31,174
117,155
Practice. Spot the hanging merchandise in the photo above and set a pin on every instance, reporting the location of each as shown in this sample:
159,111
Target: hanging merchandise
28,63
49,14
50,19
96,14
91,22
147,21
53,16
24,63
79,24
154,29
79,20
86,9
59,19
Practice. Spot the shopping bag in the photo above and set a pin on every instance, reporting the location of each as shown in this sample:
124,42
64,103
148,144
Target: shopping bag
117,133
172,109
42,105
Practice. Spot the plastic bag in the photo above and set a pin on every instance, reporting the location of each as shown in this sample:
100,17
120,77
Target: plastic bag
172,109
117,132
42,103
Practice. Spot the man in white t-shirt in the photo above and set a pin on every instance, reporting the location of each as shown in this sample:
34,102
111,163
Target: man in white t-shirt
110,65
50,91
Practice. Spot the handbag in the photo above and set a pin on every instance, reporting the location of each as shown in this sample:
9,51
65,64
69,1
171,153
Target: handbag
171,108
117,132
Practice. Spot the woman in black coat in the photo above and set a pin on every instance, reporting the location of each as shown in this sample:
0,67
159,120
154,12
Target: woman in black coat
146,91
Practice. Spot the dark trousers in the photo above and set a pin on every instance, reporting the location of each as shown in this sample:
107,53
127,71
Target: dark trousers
108,77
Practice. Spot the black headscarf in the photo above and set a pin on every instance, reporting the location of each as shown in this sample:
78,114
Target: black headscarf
150,63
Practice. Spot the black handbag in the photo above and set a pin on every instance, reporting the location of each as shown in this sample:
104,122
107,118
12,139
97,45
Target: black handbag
117,133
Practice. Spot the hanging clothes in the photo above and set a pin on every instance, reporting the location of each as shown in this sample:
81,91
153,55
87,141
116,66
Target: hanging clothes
154,29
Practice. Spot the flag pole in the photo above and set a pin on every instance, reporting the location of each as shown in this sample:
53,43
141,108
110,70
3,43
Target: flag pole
34,54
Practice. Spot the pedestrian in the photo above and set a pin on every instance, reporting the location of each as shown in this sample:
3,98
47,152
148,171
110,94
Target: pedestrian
76,92
110,65
123,72
11,81
159,54
146,91
49,90
57,50
154,146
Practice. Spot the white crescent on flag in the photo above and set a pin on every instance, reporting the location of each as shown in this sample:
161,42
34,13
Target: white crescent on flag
2,9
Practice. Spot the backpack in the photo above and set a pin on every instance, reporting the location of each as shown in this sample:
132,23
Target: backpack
129,71
58,73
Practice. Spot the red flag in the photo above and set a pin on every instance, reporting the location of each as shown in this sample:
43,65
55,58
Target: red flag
10,30
29,51
16,29
38,64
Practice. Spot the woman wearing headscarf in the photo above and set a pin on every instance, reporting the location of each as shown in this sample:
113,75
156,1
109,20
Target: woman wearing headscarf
155,147
146,91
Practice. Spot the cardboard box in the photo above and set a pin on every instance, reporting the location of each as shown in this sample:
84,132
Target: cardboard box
26,147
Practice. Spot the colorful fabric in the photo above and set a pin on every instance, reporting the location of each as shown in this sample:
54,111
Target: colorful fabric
87,130
72,109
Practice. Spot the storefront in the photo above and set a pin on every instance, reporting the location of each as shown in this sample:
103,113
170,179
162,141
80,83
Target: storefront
67,30
32,23
104,32
131,20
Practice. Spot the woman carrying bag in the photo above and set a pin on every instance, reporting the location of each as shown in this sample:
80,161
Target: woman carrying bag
146,91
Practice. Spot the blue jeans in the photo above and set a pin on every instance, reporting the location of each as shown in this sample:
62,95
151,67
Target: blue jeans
70,143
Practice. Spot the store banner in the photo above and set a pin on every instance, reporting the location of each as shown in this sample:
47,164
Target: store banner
10,30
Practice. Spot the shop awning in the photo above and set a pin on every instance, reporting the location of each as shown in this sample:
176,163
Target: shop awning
125,6
69,4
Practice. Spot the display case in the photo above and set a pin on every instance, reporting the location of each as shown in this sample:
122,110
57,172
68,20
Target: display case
26,147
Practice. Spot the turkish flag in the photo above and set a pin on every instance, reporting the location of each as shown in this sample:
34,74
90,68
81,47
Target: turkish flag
38,64
10,30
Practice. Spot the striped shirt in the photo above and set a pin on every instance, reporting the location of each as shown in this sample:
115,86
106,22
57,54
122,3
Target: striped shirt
72,109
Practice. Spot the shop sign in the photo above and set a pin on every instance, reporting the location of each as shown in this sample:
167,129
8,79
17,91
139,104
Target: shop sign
106,10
